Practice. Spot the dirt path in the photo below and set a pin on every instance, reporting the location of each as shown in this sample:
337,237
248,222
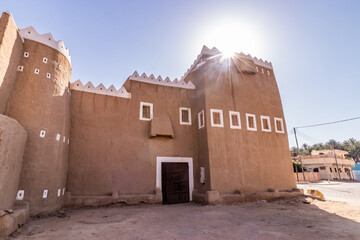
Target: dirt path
285,219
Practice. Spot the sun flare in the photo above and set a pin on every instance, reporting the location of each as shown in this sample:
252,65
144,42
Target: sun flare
232,36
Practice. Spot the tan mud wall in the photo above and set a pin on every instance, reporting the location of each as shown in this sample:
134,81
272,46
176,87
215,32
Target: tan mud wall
309,176
12,146
241,159
111,149
11,49
43,104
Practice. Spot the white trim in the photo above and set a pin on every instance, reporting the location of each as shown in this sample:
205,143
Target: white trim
221,124
238,117
20,195
42,133
45,193
189,114
26,54
247,122
199,118
141,112
48,75
45,60
262,125
282,125
187,160
37,71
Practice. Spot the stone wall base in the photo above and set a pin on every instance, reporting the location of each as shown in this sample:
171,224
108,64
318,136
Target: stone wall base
11,219
96,201
214,197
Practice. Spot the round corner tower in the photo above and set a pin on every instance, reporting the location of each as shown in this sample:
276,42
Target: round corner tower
40,102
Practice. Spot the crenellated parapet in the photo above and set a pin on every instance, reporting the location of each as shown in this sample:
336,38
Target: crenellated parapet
100,89
47,39
160,81
214,52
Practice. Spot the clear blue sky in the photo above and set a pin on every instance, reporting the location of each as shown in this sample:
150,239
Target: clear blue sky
313,46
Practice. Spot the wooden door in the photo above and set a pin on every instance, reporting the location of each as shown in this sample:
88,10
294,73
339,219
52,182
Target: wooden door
175,182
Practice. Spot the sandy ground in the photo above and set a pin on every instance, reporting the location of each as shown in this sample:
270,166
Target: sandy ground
296,218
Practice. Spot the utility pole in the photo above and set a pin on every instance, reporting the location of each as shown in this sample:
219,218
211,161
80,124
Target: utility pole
297,144
337,166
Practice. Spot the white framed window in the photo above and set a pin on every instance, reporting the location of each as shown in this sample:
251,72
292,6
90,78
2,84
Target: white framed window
217,119
26,54
45,60
59,67
235,122
58,137
268,72
20,195
262,71
279,125
146,111
201,119
61,82
59,192
37,71
257,69
185,116
20,68
45,193
265,123
48,75
251,122
42,133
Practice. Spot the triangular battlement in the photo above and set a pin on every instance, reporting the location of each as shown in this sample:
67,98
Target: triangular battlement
215,52
100,89
160,81
47,39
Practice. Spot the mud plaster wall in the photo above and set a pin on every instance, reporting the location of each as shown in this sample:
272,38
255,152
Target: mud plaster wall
41,103
111,149
11,48
12,145
241,159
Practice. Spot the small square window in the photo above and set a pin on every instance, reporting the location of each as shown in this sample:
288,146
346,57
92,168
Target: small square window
37,71
268,72
42,133
20,68
20,195
59,67
279,125
265,123
48,75
45,60
251,122
146,111
216,118
45,193
257,69
58,137
59,192
26,54
201,119
235,120
262,71
185,116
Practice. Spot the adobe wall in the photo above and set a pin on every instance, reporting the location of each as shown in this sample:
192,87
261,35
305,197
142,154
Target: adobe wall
40,103
12,145
111,149
241,159
11,48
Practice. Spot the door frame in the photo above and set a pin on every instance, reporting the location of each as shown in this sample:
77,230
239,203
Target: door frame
188,160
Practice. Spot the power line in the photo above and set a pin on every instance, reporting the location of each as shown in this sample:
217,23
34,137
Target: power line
328,123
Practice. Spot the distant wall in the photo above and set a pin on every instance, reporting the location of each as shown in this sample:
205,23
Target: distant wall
309,176
11,49
12,145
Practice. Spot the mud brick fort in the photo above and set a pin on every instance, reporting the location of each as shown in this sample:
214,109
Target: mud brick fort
216,135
